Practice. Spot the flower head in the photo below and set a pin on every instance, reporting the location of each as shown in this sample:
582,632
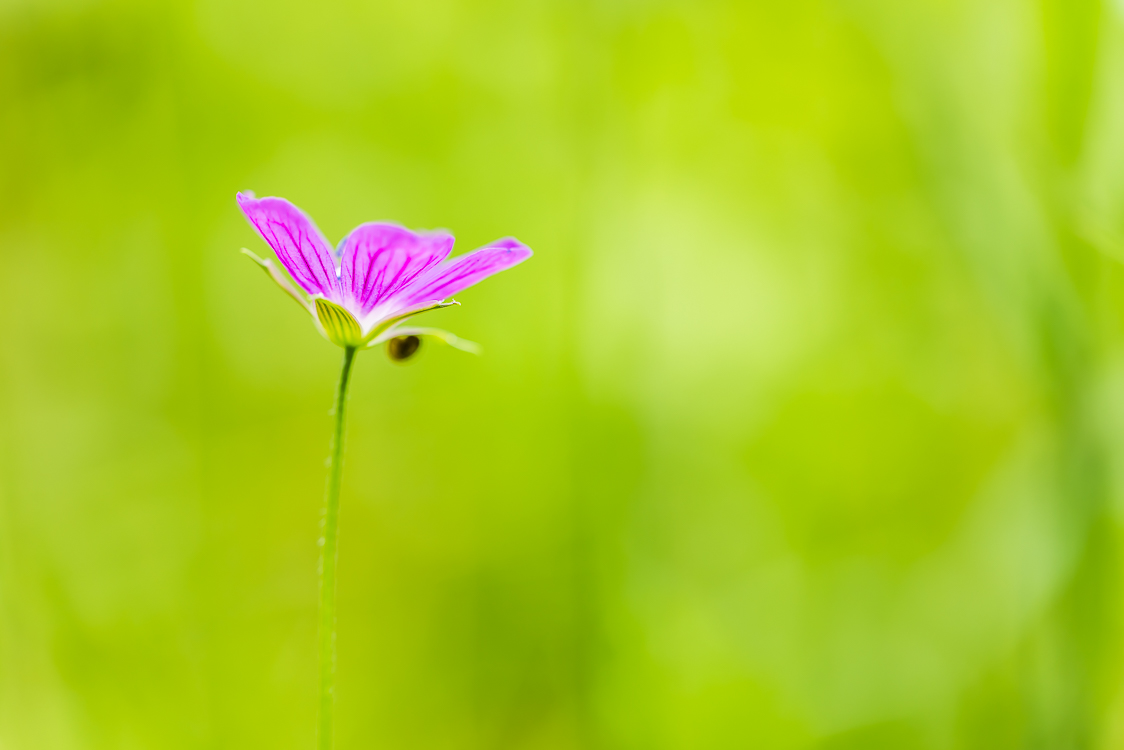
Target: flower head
380,275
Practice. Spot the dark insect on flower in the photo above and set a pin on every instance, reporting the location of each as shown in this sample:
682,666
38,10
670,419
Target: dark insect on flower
401,348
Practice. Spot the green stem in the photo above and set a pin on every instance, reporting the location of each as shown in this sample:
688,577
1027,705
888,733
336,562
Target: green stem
328,556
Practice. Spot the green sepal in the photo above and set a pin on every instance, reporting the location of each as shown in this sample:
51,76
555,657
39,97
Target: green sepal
282,281
437,334
376,333
338,324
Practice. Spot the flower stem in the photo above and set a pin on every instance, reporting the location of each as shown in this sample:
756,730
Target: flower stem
329,524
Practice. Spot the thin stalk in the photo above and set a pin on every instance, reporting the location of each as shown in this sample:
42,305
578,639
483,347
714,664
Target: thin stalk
329,525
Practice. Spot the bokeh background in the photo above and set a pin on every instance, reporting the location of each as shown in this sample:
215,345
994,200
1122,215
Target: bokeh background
804,428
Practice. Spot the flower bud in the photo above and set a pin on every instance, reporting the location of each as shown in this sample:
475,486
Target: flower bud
401,348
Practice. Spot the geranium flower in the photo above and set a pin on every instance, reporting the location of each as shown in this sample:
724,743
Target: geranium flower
359,296
380,275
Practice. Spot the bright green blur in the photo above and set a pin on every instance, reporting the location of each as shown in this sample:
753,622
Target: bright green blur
804,427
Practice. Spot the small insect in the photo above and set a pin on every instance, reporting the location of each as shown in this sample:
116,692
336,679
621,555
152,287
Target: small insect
401,348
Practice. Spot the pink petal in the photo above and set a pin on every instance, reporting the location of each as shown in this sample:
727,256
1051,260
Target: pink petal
378,260
299,246
462,272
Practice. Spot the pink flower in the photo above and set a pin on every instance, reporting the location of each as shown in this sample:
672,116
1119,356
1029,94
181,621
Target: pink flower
380,275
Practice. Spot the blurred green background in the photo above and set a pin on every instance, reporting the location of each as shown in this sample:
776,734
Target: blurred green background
804,428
